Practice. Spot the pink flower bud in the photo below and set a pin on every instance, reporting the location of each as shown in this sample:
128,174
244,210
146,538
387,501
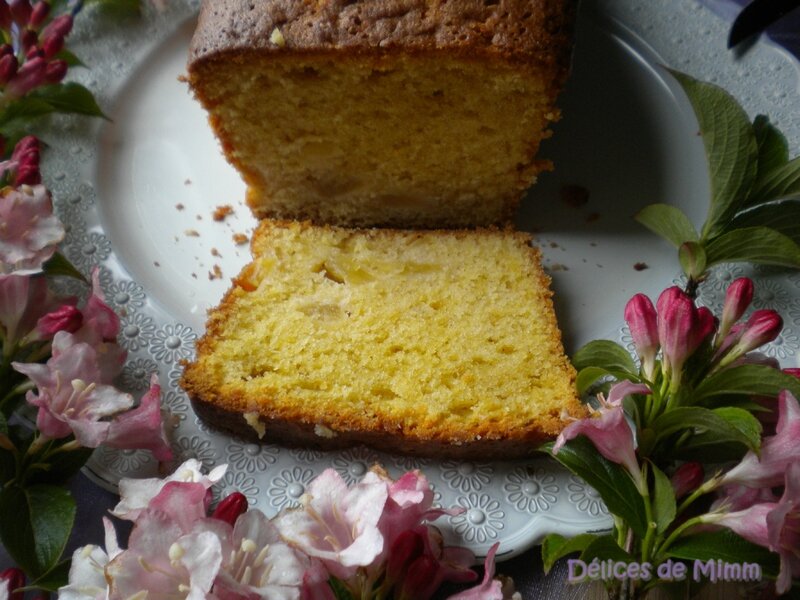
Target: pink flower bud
643,323
29,76
66,318
28,39
55,71
421,581
8,68
738,297
706,325
677,322
230,508
26,155
762,327
20,11
793,372
13,578
40,11
687,478
58,27
408,546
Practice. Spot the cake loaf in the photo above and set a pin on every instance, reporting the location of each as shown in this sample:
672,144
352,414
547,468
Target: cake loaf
403,113
440,343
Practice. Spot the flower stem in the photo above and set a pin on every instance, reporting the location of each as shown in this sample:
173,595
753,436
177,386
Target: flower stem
678,531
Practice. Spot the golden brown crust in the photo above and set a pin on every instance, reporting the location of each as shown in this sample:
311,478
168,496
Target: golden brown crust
294,425
527,31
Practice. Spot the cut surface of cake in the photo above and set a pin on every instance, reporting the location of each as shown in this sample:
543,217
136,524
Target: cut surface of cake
406,113
439,343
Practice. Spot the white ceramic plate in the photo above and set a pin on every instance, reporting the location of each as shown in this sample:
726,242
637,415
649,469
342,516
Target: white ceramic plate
138,195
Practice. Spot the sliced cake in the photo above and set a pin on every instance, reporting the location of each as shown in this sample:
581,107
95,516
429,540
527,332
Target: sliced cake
440,343
410,113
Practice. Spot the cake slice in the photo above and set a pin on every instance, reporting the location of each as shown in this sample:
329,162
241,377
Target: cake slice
402,113
439,343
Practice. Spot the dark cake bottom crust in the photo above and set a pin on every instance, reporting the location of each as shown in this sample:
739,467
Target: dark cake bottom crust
299,434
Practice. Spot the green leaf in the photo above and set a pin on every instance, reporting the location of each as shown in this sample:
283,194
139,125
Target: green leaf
69,98
556,546
779,183
605,354
664,508
726,546
725,427
693,259
61,265
773,149
612,482
55,578
669,222
116,8
43,517
750,380
731,149
63,466
754,244
744,421
69,58
340,591
783,217
587,377
605,547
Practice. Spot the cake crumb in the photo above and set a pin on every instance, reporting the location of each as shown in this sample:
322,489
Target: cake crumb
324,432
199,217
592,217
554,244
187,182
156,263
180,206
559,267
574,195
252,419
215,252
194,275
276,37
192,233
215,273
222,211
641,266
240,238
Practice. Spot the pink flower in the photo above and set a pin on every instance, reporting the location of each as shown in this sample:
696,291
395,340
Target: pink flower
612,436
164,562
136,494
734,498
23,301
777,452
10,580
260,564
143,427
489,588
409,503
87,578
682,327
418,563
687,478
72,398
66,317
642,322
29,231
750,523
738,297
619,391
783,528
338,525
